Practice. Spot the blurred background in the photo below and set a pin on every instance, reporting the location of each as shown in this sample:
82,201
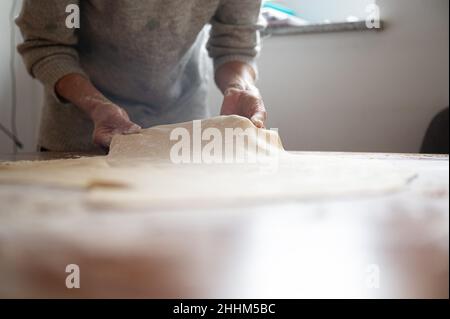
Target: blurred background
360,90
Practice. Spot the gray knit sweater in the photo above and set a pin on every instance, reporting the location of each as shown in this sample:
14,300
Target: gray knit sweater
148,56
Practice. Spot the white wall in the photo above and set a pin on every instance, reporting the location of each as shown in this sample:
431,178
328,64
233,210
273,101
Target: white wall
29,97
357,91
333,10
360,91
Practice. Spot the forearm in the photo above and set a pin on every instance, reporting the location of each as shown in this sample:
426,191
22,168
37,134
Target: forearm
78,90
235,75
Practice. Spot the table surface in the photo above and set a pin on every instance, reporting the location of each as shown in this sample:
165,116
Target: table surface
392,245
42,156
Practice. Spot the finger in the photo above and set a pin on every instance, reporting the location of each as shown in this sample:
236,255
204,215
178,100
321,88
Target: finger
259,118
103,135
133,129
254,109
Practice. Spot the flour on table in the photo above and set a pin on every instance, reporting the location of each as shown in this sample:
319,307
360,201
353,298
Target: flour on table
139,171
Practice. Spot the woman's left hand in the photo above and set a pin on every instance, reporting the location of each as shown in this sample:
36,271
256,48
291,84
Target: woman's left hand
247,102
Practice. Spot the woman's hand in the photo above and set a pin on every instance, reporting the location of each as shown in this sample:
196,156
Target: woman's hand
245,102
109,120
241,96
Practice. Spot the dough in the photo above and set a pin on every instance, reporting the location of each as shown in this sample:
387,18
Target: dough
155,144
140,171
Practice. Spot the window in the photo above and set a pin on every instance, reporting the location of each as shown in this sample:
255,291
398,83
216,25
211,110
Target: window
323,11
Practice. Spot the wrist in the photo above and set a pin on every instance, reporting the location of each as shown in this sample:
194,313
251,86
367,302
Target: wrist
235,75
78,90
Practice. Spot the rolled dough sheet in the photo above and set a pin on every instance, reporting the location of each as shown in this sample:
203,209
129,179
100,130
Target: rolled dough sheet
138,172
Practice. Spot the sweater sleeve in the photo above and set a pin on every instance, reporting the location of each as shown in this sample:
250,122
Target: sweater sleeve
49,47
235,32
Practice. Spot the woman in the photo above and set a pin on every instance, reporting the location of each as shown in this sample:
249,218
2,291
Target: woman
137,63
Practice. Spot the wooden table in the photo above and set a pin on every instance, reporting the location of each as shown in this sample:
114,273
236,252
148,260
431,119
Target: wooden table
389,246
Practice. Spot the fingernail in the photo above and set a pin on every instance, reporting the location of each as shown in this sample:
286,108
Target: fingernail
133,130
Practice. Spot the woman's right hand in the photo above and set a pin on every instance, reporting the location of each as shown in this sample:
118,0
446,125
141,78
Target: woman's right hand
109,120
